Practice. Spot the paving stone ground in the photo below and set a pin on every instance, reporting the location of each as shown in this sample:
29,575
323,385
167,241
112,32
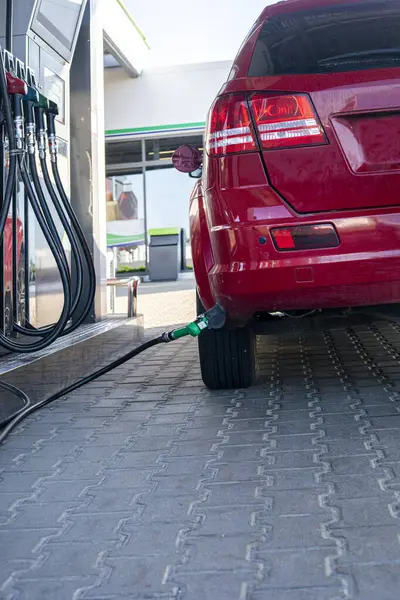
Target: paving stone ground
144,485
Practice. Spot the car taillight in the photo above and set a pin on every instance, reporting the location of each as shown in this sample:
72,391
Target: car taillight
229,127
285,121
305,237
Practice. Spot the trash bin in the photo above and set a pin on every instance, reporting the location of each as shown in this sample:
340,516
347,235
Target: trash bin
164,254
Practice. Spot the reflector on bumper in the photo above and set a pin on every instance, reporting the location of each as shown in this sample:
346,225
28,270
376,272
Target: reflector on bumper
305,237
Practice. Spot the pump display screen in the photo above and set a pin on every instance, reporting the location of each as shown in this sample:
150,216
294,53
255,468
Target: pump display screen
60,18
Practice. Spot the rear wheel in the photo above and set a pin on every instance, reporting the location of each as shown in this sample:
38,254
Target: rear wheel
227,356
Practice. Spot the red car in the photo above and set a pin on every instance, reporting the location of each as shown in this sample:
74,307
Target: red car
297,212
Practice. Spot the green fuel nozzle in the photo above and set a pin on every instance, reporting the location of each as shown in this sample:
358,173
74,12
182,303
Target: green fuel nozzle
212,319
193,329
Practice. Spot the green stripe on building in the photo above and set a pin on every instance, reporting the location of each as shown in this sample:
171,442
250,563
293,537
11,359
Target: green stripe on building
155,128
113,239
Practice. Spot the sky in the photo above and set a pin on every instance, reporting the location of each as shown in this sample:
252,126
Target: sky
186,31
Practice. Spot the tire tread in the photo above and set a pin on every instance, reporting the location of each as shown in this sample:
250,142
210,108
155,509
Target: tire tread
227,356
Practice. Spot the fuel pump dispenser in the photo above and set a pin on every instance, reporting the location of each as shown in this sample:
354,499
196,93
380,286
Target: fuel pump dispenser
28,133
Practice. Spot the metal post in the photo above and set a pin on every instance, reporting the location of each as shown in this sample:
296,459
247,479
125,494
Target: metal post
113,275
15,257
27,282
3,175
9,25
9,47
145,203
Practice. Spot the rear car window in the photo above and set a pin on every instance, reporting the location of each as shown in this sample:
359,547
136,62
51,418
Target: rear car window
351,37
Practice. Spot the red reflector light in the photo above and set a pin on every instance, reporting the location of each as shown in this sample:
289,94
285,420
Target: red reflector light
305,237
286,121
283,239
229,127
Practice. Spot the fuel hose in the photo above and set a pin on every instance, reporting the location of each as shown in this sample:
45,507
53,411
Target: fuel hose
213,319
74,311
13,125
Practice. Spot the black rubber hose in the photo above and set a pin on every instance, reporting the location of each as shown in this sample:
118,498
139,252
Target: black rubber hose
64,274
26,402
73,238
12,168
5,341
76,253
76,228
43,215
46,212
75,386
84,245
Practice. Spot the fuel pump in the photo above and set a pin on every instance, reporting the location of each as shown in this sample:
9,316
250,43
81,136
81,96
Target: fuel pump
14,95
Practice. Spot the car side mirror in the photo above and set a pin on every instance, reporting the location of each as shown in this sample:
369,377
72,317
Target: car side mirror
187,159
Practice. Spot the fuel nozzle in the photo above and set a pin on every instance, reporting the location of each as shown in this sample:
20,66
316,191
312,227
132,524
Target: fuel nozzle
30,100
32,95
212,319
16,86
40,107
52,113
31,80
17,89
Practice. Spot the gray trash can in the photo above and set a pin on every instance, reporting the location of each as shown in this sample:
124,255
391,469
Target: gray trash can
164,254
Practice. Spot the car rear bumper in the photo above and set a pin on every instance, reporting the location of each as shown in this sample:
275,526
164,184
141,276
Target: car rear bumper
249,276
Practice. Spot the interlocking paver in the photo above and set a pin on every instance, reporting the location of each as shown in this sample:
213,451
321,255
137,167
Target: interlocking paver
150,487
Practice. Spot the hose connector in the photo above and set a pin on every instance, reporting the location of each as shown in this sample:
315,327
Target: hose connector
19,133
41,142
40,126
53,147
30,138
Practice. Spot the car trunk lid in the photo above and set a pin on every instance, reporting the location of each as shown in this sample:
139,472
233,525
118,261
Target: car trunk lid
346,60
358,166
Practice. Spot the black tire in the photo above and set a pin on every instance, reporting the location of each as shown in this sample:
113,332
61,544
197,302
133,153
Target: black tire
227,356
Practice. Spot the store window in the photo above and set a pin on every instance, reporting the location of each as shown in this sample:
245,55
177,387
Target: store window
144,196
126,221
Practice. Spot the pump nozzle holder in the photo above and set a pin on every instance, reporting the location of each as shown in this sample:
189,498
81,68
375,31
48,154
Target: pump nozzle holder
30,100
32,95
42,103
16,86
53,109
17,89
52,112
